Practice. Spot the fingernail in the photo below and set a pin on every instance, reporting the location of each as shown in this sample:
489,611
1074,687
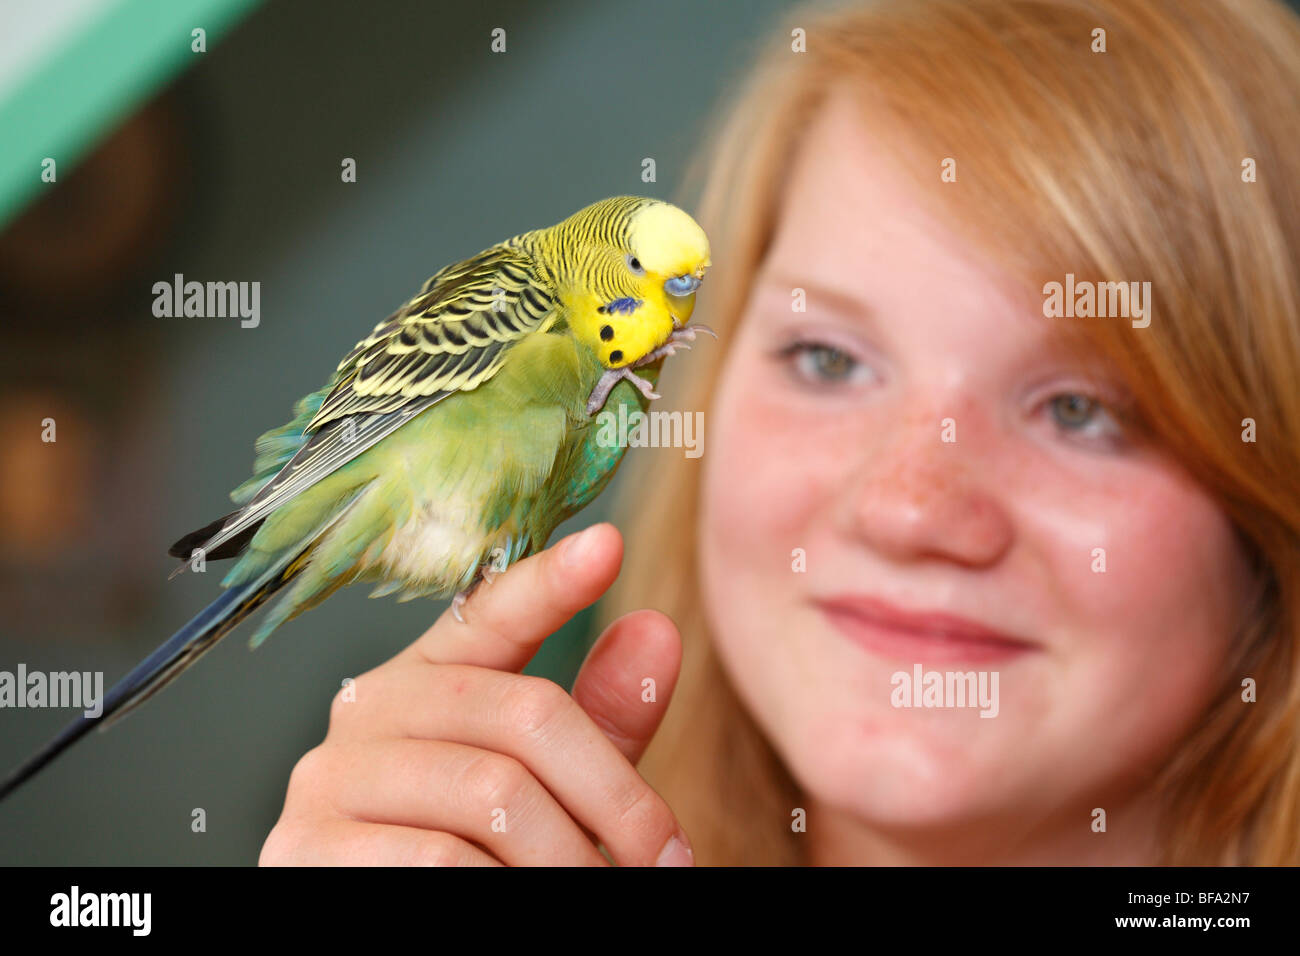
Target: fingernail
578,548
675,853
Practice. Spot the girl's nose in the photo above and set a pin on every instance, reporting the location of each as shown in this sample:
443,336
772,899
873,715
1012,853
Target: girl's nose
916,496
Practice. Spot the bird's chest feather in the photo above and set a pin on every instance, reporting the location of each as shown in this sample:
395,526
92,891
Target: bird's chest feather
480,471
443,537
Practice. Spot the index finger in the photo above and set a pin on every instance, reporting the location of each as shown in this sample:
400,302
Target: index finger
507,620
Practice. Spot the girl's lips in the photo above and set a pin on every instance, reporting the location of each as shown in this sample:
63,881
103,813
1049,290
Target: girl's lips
917,637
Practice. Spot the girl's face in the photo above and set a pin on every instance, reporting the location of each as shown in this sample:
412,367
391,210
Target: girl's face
908,475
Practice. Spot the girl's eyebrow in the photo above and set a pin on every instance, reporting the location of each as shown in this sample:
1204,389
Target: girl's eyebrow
819,296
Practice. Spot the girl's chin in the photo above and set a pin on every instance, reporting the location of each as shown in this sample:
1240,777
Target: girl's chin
906,804
899,775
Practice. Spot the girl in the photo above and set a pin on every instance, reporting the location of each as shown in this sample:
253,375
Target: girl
992,555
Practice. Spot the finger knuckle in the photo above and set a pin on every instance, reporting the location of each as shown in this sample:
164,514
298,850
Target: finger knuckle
536,704
309,771
495,780
438,849
280,847
645,817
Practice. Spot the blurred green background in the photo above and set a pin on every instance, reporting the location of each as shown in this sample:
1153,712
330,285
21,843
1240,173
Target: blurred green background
225,166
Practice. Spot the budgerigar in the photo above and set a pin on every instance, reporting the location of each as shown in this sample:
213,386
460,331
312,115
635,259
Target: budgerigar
453,439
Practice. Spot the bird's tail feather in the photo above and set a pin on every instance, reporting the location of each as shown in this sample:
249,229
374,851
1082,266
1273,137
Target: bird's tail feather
176,654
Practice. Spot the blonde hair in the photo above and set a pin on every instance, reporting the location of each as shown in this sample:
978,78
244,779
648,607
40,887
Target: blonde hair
1111,165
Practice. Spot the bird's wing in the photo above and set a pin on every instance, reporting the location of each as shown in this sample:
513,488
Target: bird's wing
452,337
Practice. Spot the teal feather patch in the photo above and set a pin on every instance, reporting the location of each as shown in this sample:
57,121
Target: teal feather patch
276,447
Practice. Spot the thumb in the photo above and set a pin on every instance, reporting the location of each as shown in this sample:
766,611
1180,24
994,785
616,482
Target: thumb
628,678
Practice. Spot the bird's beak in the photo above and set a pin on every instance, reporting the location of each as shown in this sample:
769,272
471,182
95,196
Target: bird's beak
682,285
681,296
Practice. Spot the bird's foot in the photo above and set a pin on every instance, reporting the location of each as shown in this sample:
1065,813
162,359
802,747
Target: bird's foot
495,564
612,377
677,340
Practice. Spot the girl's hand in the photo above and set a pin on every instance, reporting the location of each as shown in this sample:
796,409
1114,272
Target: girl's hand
449,756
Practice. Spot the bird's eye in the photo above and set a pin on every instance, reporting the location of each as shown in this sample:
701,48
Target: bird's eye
634,264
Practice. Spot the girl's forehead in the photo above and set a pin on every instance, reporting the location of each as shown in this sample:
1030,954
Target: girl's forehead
850,215
850,188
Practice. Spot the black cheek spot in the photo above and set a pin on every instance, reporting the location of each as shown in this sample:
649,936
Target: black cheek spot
600,309
606,333
616,355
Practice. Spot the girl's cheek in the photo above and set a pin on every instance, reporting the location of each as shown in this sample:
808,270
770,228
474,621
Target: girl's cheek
767,466
1136,552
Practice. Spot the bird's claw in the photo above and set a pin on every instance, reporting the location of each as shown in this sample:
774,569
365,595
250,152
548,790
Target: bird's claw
676,340
610,378
644,387
494,565
487,571
668,348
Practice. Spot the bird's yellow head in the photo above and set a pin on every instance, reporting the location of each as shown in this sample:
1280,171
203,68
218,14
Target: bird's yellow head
635,267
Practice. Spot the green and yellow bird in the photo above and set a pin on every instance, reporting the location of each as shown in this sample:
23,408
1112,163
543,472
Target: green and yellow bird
453,439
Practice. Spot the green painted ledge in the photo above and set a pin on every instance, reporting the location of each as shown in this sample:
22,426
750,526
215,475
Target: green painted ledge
93,80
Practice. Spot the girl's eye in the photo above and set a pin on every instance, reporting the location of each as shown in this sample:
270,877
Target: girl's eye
1083,416
822,364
